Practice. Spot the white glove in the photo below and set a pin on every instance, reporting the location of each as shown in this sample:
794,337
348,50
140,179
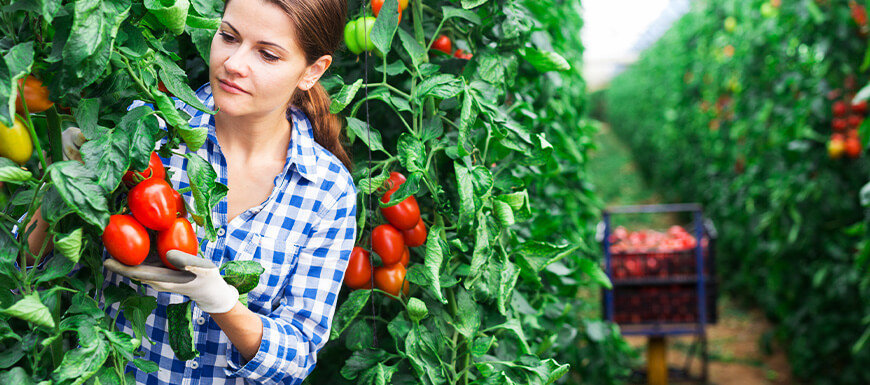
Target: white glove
200,280
72,140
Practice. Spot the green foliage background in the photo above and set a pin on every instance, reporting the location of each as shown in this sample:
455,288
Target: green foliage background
746,136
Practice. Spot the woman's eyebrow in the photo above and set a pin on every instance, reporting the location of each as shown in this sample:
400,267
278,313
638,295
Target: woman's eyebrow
263,42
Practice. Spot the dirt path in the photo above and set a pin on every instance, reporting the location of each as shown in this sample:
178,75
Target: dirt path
737,356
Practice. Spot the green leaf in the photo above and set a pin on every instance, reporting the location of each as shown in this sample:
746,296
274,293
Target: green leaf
345,96
385,26
514,326
87,116
244,275
368,184
545,61
468,4
482,249
380,374
412,153
416,51
194,137
210,23
136,310
466,195
504,214
117,293
405,190
481,345
76,186
146,366
175,80
417,309
594,271
348,311
443,86
519,203
70,245
15,65
467,318
433,128
12,172
433,261
467,118
361,361
371,138
108,157
359,336
16,375
534,256
53,207
172,15
206,191
10,356
181,331
88,48
47,8
450,12
141,127
31,309
507,281
82,363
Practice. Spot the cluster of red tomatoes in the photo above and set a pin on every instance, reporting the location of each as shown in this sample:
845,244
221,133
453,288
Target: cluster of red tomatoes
648,304
444,44
153,205
641,241
390,241
847,118
648,253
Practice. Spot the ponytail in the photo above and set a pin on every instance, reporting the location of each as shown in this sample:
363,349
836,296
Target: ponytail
328,130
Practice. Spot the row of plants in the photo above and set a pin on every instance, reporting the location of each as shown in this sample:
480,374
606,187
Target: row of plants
756,109
478,103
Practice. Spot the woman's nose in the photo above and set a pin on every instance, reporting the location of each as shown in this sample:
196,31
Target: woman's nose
236,64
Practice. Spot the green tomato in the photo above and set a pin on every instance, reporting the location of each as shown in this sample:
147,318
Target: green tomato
730,24
364,33
350,38
767,10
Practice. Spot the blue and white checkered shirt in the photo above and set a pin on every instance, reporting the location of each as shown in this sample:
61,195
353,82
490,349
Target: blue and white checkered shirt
302,235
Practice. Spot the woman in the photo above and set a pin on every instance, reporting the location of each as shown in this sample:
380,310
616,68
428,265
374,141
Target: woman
291,203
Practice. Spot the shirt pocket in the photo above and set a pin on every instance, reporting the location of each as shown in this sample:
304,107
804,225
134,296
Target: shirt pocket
278,257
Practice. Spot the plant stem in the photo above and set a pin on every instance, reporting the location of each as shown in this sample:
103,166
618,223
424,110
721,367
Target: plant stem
54,134
32,130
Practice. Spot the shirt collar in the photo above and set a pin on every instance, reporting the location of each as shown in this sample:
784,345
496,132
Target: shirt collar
300,150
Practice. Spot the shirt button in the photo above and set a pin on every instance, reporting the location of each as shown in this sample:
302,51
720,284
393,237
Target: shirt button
200,321
194,364
221,232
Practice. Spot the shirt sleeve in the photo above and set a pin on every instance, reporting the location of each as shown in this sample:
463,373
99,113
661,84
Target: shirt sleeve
296,330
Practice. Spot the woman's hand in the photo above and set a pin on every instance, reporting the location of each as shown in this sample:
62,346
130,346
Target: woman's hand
198,279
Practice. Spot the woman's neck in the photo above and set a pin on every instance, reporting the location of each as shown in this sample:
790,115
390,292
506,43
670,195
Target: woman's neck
249,139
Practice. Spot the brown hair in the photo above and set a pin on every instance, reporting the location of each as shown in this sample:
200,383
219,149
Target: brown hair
319,28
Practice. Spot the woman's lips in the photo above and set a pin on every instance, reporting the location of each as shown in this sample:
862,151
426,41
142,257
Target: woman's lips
231,88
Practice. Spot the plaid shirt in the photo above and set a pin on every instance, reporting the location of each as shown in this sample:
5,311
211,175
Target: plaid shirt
302,235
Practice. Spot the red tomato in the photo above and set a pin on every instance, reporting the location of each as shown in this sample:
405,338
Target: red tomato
839,124
415,236
839,108
179,204
406,257
396,179
126,240
153,204
855,121
443,44
358,274
388,243
404,215
179,236
460,54
155,170
853,147
391,278
860,107
377,4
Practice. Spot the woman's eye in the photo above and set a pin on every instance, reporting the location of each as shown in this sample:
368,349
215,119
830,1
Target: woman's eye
268,57
227,38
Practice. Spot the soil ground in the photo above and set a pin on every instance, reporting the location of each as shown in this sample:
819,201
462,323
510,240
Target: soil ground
735,351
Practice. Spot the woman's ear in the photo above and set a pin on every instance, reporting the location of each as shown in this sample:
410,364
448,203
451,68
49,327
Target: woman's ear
314,72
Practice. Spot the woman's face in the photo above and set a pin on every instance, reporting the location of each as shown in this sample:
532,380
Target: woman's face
255,63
